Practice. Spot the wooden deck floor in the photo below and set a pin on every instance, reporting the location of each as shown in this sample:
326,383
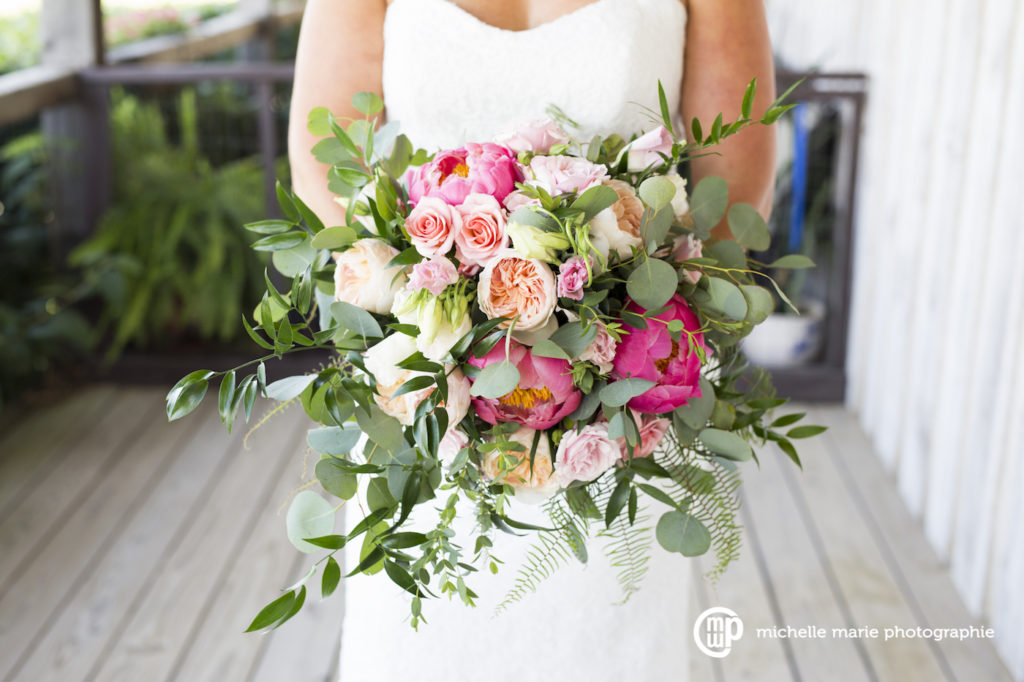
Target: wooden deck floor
132,549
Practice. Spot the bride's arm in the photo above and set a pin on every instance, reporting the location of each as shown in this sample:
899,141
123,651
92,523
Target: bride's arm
341,45
727,44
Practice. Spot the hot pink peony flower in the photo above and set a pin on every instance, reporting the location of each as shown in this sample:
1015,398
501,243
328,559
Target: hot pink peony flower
433,275
561,174
544,396
572,277
431,227
455,174
537,136
652,354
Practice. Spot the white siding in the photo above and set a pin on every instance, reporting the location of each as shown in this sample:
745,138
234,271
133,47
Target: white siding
937,337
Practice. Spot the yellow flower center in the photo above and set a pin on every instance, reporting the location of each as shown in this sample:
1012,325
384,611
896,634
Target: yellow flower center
662,364
462,170
526,398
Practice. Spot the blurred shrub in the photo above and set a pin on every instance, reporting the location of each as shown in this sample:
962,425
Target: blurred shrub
170,258
39,331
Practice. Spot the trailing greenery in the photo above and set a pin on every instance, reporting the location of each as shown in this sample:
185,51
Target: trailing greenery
170,257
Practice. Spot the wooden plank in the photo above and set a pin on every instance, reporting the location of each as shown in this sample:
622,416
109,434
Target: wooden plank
798,574
865,578
80,615
171,604
744,589
38,438
66,483
26,92
701,667
217,648
917,571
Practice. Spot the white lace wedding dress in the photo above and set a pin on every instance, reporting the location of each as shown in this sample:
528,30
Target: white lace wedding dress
449,77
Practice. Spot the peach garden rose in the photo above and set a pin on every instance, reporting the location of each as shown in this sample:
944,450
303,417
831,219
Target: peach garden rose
517,287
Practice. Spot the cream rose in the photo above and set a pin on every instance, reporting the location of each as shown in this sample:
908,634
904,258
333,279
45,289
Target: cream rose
382,361
680,203
514,286
362,278
618,226
531,486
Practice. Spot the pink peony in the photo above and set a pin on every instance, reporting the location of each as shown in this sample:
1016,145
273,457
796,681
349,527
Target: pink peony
455,174
545,394
433,275
517,200
482,230
431,227
652,354
537,136
561,174
647,149
572,277
585,454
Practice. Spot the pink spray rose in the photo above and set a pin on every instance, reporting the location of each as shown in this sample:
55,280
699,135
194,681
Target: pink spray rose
585,454
537,136
433,275
431,227
686,247
454,440
517,200
652,354
601,350
561,174
652,430
544,396
482,230
455,174
572,277
647,149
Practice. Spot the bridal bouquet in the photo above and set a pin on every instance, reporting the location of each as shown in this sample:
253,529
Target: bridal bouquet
530,318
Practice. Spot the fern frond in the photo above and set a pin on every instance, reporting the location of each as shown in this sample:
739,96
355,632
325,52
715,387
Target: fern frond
712,491
629,549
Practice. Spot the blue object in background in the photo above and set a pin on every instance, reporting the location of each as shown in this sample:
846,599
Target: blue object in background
798,198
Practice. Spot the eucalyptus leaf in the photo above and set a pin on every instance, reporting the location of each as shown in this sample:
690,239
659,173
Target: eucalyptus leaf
496,380
652,283
334,237
792,261
759,303
708,203
309,516
748,227
335,479
574,338
618,393
683,533
657,191
726,444
333,440
356,320
546,348
595,200
285,389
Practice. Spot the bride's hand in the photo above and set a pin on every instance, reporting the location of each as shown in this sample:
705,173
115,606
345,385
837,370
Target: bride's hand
727,44
341,46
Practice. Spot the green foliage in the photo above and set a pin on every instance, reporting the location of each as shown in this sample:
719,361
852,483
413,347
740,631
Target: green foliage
170,257
39,331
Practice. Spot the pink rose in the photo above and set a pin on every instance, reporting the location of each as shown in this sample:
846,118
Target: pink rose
652,430
601,350
432,226
686,247
455,174
516,287
482,230
538,136
585,454
544,396
561,174
433,275
651,354
647,149
572,277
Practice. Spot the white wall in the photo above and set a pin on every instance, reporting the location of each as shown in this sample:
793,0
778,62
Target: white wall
937,336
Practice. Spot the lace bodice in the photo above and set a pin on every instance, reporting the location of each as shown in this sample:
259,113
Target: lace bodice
449,77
